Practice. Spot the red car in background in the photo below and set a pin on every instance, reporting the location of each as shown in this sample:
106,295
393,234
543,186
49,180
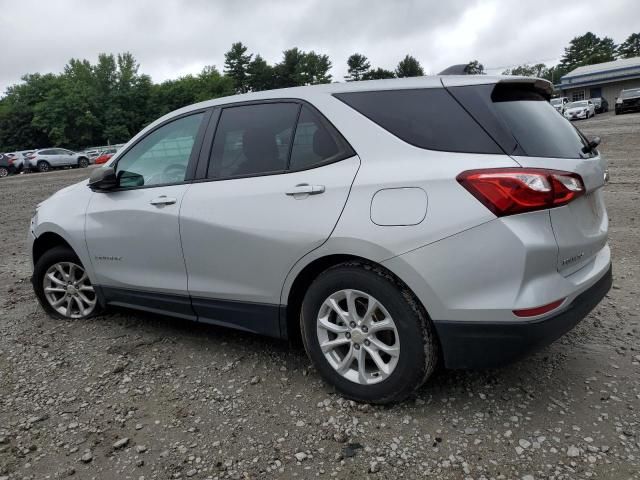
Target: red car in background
105,156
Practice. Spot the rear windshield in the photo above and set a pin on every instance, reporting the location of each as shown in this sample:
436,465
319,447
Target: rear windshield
428,118
522,121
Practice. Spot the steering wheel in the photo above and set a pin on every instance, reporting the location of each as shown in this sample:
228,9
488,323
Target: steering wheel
173,173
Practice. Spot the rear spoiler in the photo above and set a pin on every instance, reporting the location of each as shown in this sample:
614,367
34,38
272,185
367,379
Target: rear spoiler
543,87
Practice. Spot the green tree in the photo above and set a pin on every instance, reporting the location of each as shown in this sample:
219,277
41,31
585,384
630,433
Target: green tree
586,49
358,66
300,68
261,75
378,74
630,47
409,67
539,70
236,62
314,69
474,67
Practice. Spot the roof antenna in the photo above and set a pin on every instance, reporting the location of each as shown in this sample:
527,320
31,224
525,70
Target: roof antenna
460,69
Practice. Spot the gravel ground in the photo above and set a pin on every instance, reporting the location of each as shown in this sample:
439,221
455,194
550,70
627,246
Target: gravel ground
135,396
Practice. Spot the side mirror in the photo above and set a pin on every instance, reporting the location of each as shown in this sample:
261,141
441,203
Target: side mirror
103,179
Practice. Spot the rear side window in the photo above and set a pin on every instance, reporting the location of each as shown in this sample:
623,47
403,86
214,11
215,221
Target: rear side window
253,139
522,120
316,142
426,118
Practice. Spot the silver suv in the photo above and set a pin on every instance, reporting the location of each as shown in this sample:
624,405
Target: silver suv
390,224
48,158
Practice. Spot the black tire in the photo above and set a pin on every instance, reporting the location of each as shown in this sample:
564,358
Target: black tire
4,172
83,163
418,344
49,258
43,166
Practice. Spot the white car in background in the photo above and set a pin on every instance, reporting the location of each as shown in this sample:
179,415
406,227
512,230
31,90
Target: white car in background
559,103
579,109
48,158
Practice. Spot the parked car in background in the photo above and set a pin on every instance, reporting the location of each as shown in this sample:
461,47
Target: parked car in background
7,166
326,235
559,103
600,104
579,109
105,156
48,158
628,101
20,159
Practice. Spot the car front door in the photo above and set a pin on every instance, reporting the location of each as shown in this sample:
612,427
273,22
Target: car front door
132,232
262,205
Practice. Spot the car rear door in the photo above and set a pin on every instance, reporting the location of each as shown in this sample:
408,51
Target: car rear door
525,125
262,203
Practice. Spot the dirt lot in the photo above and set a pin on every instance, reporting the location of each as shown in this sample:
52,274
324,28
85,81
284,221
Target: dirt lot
134,396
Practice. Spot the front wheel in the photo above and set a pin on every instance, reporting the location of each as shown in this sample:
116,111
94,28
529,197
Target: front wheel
367,334
62,285
83,163
4,172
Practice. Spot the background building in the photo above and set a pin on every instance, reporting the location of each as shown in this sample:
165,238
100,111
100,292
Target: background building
601,80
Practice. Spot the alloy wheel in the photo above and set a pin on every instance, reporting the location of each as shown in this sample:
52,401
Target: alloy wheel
3,172
358,337
68,290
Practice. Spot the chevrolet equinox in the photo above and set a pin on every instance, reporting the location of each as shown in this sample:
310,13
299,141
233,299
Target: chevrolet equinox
390,224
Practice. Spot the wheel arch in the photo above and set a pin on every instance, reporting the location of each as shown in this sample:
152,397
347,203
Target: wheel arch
47,241
303,279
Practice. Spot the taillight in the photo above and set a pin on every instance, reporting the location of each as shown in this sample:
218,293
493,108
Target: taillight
508,191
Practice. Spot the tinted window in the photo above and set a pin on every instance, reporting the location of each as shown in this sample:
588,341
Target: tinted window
426,118
253,139
522,121
316,142
162,156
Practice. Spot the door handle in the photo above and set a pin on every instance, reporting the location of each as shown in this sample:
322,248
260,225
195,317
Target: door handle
305,189
163,200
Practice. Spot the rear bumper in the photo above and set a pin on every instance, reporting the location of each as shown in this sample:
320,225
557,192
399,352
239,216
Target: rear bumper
493,344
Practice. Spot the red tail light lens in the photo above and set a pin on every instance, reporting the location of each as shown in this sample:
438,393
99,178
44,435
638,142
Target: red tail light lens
509,191
532,312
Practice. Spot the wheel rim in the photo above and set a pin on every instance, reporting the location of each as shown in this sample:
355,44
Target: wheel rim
358,337
44,167
68,290
4,172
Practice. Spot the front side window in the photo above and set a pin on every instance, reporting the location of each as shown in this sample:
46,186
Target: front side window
253,139
162,156
316,142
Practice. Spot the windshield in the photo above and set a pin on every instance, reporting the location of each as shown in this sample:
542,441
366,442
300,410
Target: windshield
582,103
634,92
556,101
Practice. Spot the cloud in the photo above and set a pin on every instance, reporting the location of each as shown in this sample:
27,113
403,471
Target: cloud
175,37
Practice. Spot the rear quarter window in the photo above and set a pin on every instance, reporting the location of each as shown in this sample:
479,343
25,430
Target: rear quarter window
522,121
427,118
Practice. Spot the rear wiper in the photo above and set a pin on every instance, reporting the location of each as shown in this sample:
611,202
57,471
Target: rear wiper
592,143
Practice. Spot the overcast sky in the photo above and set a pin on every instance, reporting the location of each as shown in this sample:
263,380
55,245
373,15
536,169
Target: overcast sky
171,38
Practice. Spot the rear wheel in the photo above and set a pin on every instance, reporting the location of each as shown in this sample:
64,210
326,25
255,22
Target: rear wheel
62,285
83,163
43,166
4,171
367,334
